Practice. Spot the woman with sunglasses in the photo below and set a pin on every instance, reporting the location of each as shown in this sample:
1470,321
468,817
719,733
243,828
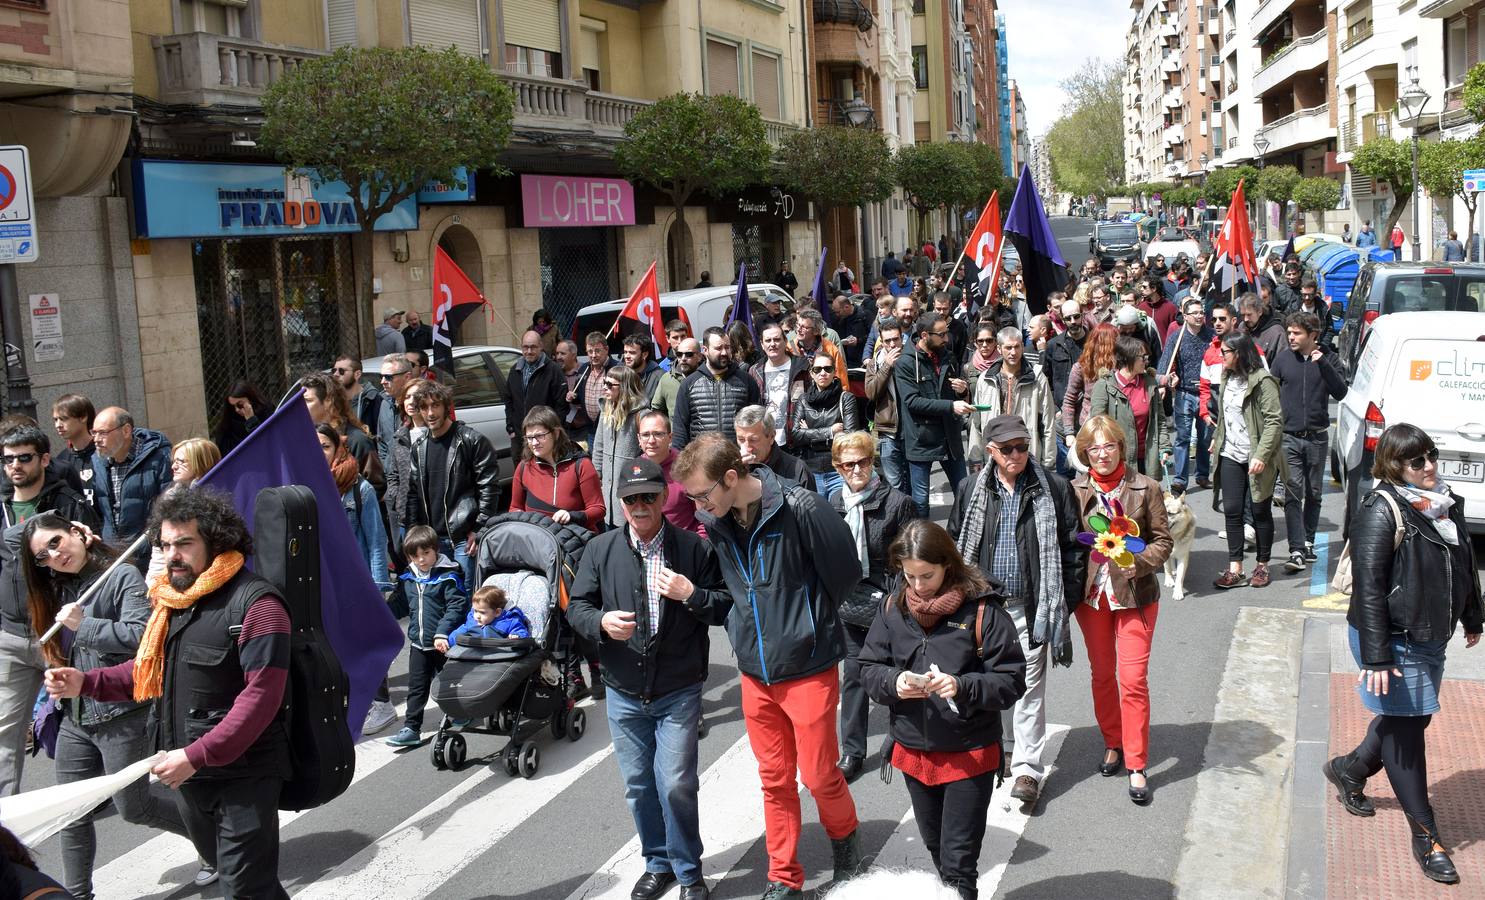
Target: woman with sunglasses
60,561
554,477
242,411
1406,600
826,411
616,435
1248,446
875,512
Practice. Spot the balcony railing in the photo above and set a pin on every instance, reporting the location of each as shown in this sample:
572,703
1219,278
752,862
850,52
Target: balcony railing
1375,125
834,112
844,12
1232,142
202,69
1358,33
1348,136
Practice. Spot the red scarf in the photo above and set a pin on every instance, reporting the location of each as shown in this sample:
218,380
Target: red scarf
929,610
1108,483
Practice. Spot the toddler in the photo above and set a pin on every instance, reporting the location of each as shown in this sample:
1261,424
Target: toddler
490,617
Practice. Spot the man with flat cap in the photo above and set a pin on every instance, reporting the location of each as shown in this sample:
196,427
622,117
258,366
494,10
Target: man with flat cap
1018,521
645,595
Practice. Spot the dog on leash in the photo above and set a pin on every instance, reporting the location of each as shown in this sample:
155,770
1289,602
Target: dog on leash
1183,534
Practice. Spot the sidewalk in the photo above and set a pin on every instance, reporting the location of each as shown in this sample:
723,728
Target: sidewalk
1370,857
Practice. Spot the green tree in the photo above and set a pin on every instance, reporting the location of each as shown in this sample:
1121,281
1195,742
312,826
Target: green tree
1474,94
933,176
1441,166
686,143
1389,160
1316,195
988,176
835,166
1277,183
1087,141
1221,183
386,121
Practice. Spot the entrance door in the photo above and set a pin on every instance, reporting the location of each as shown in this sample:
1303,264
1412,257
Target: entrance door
579,267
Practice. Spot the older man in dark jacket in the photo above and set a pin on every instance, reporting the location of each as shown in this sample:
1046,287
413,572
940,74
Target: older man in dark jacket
710,398
533,380
130,469
932,392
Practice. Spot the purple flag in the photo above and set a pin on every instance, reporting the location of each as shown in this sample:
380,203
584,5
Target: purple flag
362,630
1026,227
822,300
742,310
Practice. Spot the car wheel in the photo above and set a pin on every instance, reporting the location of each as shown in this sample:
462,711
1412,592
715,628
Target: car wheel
1335,466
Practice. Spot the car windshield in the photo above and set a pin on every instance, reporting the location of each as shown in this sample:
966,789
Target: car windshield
1172,234
1433,293
1118,234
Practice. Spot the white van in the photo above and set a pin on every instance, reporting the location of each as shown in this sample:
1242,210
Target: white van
1428,369
704,307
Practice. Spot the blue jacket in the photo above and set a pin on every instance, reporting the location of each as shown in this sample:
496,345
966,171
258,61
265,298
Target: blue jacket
146,476
365,516
510,623
436,603
1193,346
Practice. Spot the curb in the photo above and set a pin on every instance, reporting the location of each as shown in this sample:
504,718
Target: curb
1306,877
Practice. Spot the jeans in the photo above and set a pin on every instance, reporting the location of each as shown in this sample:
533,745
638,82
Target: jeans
1064,464
952,817
234,824
422,666
827,484
894,464
1186,406
918,474
1029,716
462,559
21,668
87,751
1305,456
655,744
854,707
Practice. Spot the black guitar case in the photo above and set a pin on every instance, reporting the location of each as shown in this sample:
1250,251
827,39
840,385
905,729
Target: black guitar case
286,551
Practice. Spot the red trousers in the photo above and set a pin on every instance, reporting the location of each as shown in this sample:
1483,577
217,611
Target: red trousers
1118,641
791,727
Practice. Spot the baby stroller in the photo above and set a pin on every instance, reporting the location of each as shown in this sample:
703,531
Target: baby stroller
516,686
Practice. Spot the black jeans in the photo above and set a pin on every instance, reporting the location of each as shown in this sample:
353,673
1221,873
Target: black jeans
853,702
951,818
422,665
1305,456
1234,477
233,822
1396,743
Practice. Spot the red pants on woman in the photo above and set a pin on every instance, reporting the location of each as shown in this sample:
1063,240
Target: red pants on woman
791,727
1119,639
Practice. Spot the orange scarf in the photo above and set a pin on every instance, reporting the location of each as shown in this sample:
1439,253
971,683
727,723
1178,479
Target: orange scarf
149,661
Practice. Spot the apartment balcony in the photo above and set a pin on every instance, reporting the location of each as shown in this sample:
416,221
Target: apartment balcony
1214,25
202,69
844,12
1376,125
1171,63
1170,31
1299,129
841,40
1173,135
1267,13
1442,9
1231,88
1302,55
1214,74
835,112
1172,98
1355,35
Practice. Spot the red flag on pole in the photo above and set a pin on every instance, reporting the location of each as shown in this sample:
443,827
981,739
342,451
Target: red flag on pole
454,298
1232,251
984,245
644,308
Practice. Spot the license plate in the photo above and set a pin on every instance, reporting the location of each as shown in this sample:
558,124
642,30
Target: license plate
1461,470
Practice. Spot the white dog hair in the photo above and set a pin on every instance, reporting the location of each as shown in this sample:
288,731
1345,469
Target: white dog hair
892,884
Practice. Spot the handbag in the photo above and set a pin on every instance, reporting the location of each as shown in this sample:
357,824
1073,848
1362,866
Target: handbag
1343,580
45,724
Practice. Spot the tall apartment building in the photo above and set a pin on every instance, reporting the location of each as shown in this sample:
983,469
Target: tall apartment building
1020,142
1003,96
943,56
1041,174
1173,90
984,26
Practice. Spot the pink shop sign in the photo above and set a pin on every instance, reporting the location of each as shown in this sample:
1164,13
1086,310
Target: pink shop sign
559,201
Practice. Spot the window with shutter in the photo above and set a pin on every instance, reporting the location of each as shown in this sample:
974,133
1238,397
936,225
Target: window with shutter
446,23
340,23
766,85
533,23
721,68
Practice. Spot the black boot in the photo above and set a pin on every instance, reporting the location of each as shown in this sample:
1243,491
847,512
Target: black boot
968,890
1429,850
1352,792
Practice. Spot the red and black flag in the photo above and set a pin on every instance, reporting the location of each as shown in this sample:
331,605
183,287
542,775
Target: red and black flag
454,298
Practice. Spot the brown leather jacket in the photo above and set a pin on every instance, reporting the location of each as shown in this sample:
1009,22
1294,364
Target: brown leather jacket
881,393
1143,501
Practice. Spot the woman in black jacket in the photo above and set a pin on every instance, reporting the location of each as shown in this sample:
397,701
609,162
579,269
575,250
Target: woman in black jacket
876,513
1407,597
944,657
825,411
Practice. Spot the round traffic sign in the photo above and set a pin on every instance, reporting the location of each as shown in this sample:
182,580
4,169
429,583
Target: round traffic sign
7,187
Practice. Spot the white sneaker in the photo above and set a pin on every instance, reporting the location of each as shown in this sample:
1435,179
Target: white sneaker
1250,537
379,716
206,876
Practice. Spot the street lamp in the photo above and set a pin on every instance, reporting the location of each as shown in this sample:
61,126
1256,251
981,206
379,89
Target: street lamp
859,114
1413,100
1261,144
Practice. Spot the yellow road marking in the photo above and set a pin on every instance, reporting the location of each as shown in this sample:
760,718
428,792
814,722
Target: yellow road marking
1334,601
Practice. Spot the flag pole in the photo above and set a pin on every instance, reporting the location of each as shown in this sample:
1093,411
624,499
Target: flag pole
98,583
965,249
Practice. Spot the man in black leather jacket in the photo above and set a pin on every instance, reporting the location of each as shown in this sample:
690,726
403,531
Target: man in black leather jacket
452,478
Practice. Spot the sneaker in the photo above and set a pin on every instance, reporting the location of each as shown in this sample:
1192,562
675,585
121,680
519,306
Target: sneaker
407,737
378,717
1230,579
777,890
1250,537
1203,483
1296,562
1310,552
1260,576
459,723
846,853
205,876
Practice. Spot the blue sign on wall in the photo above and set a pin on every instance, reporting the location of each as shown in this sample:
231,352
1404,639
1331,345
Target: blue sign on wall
189,199
449,191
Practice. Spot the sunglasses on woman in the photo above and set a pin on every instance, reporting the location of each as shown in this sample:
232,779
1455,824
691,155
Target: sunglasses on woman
1418,462
820,370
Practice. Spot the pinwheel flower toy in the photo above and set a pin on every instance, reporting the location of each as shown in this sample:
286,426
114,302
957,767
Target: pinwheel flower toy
1114,537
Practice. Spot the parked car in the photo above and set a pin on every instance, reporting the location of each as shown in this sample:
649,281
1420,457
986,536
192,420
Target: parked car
704,307
1171,242
1115,242
1388,287
1428,369
479,394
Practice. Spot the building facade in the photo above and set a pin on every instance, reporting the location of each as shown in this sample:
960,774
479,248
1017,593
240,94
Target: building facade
1173,90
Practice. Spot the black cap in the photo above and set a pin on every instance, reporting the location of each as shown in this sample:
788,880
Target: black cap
1004,428
640,476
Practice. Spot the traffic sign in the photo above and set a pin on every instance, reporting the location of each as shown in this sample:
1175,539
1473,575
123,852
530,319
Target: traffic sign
1474,180
17,221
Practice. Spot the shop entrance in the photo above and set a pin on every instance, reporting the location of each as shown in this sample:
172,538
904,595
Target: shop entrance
270,311
579,267
760,245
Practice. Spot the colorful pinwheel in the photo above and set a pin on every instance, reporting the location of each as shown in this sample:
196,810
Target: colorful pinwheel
1114,537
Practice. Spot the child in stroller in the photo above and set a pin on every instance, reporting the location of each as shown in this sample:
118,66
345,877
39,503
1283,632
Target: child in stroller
490,617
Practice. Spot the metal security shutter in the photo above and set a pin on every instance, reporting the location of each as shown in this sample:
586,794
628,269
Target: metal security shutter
341,23
533,23
446,23
589,55
766,85
721,68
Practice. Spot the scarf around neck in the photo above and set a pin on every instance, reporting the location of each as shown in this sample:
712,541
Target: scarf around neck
149,660
929,611
856,518
1434,505
1107,483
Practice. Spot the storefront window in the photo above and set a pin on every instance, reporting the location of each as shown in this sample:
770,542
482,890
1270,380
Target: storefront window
579,267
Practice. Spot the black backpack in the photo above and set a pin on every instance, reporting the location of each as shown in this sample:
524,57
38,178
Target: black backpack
286,538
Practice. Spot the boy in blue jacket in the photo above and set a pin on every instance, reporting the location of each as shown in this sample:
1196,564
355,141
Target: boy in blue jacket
432,591
490,617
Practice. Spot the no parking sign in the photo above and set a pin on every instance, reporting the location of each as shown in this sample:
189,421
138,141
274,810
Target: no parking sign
1474,180
17,222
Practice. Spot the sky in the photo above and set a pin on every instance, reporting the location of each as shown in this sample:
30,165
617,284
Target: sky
1047,39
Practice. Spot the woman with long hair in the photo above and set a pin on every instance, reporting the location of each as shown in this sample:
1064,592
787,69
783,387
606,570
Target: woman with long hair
1098,356
1128,395
1121,596
405,414
60,561
328,406
1407,597
554,476
826,411
358,499
744,349
243,410
546,329
942,655
1249,447
616,435
189,460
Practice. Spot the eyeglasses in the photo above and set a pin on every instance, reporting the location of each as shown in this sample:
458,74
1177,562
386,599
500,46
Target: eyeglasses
703,497
654,435
821,370
638,499
610,384
990,340
685,354
944,333
1103,449
22,458
177,463
1073,318
100,432
537,437
531,346
1228,351
1012,449
851,465
1418,462
342,370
